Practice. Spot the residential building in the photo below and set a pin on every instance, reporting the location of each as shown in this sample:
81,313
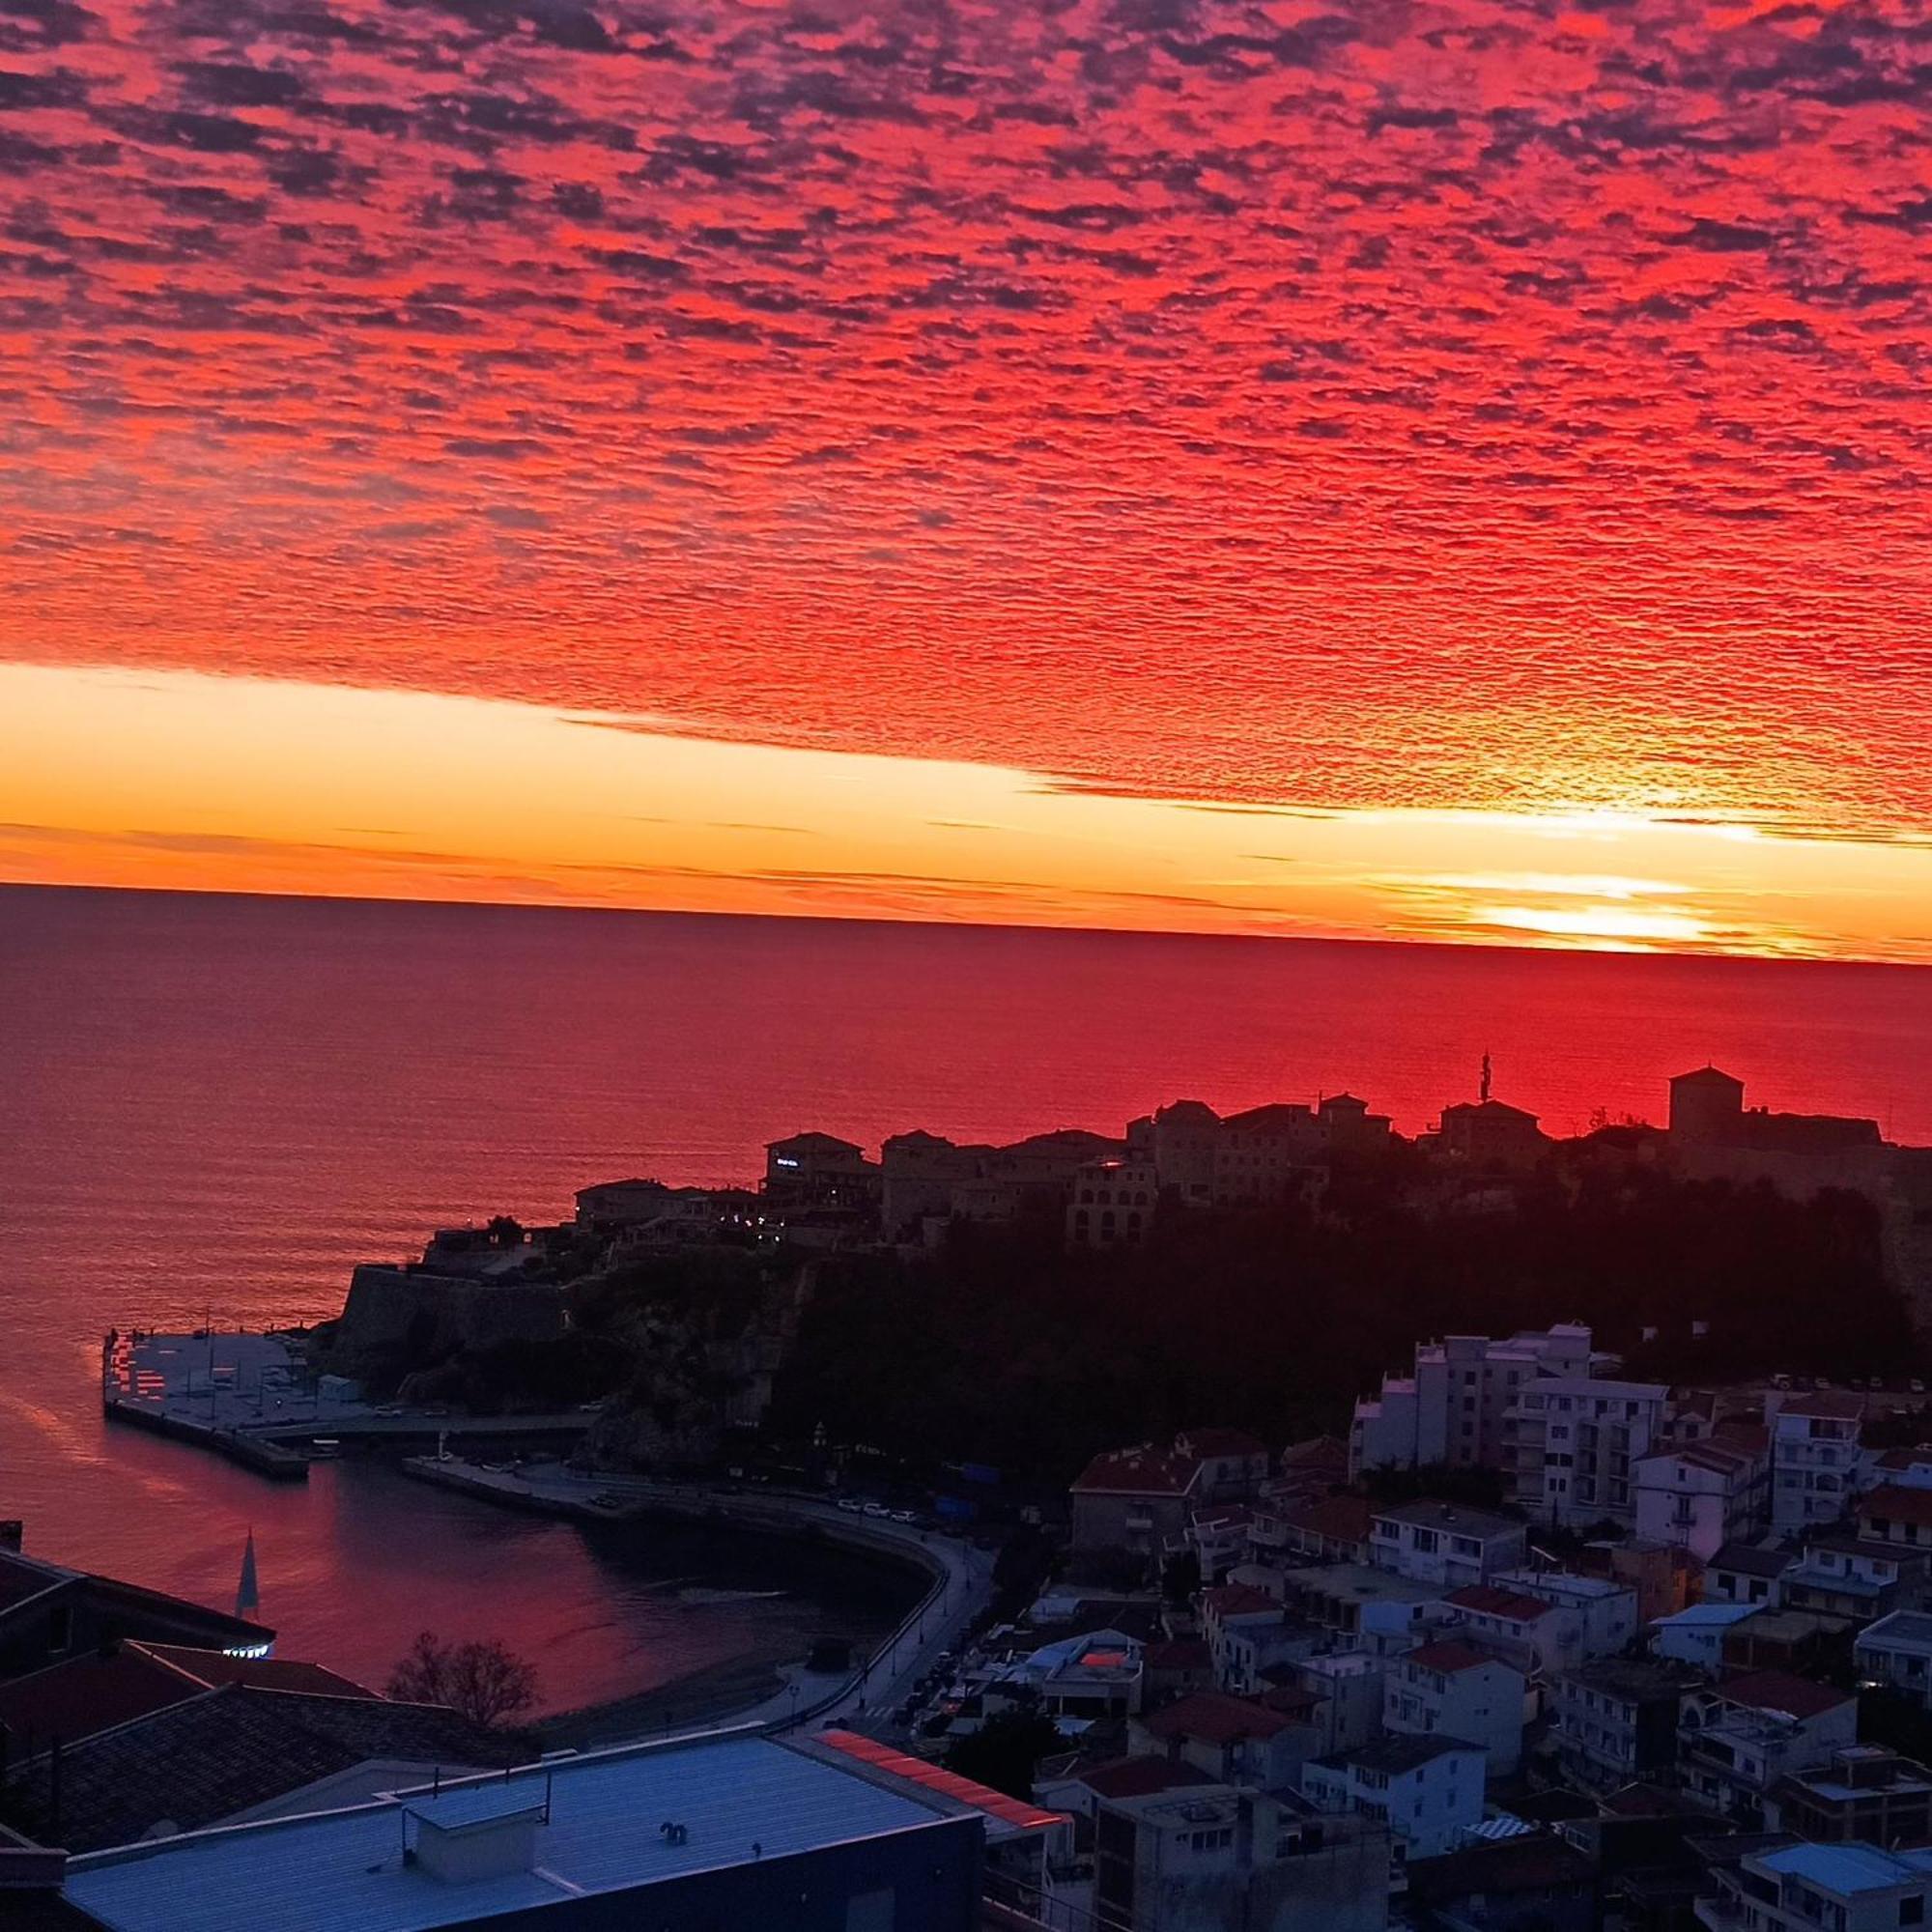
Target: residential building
1267,1154
1605,1612
813,1169
1705,1495
1232,1465
1348,1687
1617,1720
1427,1790
1857,1578
1182,1139
1896,1512
1095,1674
1818,1462
1860,1791
1802,1888
1456,1403
1489,1137
235,1753
1132,1504
1378,1610
1696,1636
1896,1653
1539,1637
1449,1688
1737,1740
120,1682
1577,1442
1220,1536
1217,1856
1747,1573
1444,1543
731,1829
1331,1529
1231,1613
1232,1740
1112,1204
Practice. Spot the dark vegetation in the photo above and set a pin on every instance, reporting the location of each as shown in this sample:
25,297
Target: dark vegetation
1005,1750
1004,1347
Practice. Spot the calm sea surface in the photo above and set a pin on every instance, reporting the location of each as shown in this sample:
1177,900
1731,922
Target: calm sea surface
221,1103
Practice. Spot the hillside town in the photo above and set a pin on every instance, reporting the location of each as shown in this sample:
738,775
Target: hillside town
1533,1638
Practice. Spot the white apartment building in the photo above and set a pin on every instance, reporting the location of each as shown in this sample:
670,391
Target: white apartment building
1604,1611
1577,1442
1448,1689
1804,1887
1818,1465
1429,1791
1705,1495
1737,1740
1112,1204
1444,1543
1453,1406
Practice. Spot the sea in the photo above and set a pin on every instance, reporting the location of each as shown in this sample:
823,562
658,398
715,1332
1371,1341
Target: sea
212,1107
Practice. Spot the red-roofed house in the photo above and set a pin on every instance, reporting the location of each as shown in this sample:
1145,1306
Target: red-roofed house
1236,1619
1232,1465
1737,1740
1233,1739
1450,1689
119,1682
1896,1512
1333,1529
1538,1636
1133,1504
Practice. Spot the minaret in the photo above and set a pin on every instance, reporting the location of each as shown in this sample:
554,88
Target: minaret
248,1597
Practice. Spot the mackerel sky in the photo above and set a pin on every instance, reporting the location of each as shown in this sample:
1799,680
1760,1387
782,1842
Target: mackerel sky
1488,405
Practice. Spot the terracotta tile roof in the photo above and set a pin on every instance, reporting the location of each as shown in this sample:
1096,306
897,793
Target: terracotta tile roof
1778,1690
1188,1653
1321,1452
1894,1502
1140,1776
229,1750
1827,1405
1216,1719
1489,1601
1906,1459
74,1699
1238,1600
1752,1437
1447,1656
1340,1518
1145,1471
918,1771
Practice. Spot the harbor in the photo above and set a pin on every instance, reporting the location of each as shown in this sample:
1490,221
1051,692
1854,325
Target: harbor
251,1398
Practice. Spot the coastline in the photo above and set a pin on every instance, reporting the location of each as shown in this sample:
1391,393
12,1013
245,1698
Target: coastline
777,1694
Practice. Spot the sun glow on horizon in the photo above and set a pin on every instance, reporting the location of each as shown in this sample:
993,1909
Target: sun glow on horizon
187,780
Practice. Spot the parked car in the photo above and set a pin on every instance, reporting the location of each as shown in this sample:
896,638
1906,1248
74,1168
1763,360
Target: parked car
851,1505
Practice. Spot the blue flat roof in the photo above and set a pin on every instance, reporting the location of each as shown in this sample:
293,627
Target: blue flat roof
1850,1868
738,1795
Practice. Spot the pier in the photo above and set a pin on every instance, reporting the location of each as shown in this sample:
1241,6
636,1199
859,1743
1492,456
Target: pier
251,1399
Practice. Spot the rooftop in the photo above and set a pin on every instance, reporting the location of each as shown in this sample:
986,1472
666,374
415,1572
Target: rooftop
1145,1471
1825,1404
1750,1559
1778,1691
1217,1718
736,1795
1456,1518
231,1750
1707,1616
1140,1776
1847,1870
1448,1657
1909,1626
1489,1601
1397,1754
1893,1502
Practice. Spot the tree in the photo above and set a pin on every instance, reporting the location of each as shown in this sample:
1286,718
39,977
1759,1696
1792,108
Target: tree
1005,1751
481,1681
1181,1576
